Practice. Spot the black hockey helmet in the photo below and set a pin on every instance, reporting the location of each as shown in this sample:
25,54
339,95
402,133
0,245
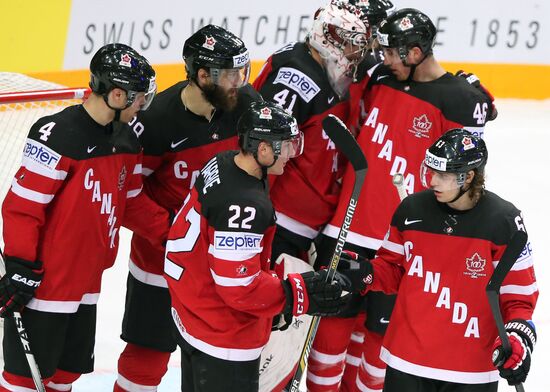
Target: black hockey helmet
374,11
457,151
120,66
267,122
215,48
405,29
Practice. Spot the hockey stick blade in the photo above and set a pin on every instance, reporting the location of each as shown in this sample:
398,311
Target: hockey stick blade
345,142
513,250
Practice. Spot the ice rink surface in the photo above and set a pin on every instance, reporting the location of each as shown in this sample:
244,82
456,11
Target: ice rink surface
519,153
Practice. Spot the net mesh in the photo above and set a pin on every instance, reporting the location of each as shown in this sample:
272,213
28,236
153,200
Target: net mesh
17,118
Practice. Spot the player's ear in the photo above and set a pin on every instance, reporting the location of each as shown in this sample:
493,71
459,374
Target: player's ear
469,177
202,76
416,53
118,97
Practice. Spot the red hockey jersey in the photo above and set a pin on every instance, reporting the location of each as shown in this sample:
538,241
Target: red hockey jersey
305,197
401,121
439,262
217,263
176,145
78,182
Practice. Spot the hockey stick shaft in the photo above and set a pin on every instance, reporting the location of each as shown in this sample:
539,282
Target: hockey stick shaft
398,182
342,138
24,337
513,250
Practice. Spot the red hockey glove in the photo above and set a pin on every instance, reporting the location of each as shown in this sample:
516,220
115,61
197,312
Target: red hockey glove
17,286
474,81
355,272
310,293
515,367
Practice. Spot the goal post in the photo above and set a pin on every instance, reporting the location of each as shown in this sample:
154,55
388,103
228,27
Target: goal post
23,100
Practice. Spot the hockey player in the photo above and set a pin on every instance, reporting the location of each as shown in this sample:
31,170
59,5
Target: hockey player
409,101
217,259
186,126
79,180
442,288
310,79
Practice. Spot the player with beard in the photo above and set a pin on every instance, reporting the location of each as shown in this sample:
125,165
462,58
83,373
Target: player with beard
187,125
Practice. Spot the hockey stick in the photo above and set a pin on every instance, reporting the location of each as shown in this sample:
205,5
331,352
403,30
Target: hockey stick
398,182
345,142
22,332
512,252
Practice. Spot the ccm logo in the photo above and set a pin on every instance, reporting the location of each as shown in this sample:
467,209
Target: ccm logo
300,297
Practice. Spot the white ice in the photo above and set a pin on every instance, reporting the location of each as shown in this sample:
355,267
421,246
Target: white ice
519,154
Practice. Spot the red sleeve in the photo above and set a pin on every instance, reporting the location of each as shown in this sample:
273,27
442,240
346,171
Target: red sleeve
519,291
142,215
41,175
241,275
388,263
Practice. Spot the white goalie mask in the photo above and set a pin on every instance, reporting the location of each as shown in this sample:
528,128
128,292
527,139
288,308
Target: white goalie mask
340,37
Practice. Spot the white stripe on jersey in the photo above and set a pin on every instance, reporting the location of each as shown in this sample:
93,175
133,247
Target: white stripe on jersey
232,255
516,289
233,282
33,166
353,238
145,277
394,247
294,226
133,193
44,305
30,194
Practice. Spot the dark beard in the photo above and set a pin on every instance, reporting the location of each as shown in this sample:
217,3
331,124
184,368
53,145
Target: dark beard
219,98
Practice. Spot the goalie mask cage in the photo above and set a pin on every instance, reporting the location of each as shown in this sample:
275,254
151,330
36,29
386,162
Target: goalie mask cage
23,100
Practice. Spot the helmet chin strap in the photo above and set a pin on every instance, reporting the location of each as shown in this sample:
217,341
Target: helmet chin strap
413,67
462,190
265,167
117,110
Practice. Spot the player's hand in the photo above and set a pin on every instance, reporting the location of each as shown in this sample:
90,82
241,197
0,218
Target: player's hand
514,367
17,286
474,81
355,272
310,293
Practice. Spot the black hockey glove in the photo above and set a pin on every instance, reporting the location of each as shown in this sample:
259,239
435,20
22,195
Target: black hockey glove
355,272
474,81
515,367
310,293
17,286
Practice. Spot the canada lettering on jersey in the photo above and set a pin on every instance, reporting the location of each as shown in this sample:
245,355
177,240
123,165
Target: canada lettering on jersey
181,172
399,163
432,282
211,174
106,200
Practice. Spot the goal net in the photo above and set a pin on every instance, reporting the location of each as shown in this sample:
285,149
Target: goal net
23,100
